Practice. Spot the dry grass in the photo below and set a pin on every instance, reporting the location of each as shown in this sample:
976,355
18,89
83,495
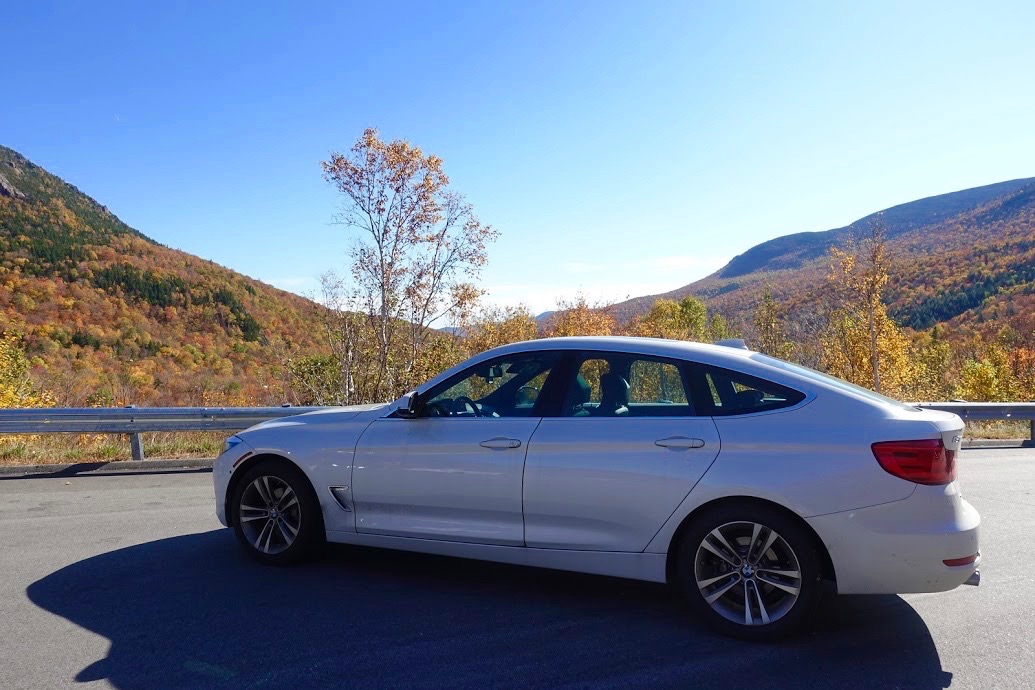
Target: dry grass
71,448
999,429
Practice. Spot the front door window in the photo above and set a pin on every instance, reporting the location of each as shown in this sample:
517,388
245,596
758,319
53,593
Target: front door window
504,387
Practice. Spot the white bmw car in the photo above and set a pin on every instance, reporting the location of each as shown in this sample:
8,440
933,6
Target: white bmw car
752,484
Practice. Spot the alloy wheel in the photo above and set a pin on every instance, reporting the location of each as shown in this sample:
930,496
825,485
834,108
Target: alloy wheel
270,515
747,573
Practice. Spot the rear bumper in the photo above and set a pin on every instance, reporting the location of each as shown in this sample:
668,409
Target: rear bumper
899,547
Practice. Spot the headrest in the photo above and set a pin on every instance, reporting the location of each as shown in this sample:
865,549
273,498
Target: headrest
747,399
614,389
580,391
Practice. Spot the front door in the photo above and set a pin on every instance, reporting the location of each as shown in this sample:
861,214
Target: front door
455,472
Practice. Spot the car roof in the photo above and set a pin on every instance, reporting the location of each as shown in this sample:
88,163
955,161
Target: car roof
677,349
730,356
630,344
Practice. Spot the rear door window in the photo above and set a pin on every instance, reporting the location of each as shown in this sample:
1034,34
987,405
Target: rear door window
614,384
652,382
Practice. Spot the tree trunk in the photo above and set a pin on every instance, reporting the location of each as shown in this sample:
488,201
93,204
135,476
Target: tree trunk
874,356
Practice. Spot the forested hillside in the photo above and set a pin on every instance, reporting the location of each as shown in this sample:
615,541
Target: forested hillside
95,313
107,316
965,259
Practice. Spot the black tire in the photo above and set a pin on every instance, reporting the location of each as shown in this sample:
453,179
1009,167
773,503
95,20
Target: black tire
267,528
775,612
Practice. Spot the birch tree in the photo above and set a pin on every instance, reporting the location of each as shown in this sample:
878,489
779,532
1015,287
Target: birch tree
416,250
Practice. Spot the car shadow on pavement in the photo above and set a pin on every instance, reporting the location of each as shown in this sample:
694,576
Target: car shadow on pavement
193,611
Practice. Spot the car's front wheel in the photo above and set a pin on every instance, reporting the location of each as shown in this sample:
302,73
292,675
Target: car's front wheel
750,571
276,515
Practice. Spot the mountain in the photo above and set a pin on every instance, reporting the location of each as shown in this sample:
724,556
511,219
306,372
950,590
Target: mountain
963,258
109,316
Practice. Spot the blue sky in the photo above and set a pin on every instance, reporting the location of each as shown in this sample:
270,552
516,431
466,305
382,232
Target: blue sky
621,148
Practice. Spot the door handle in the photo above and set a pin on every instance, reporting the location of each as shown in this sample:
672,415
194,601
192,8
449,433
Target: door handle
500,442
680,442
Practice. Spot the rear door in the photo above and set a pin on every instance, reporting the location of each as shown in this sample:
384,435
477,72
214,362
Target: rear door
625,450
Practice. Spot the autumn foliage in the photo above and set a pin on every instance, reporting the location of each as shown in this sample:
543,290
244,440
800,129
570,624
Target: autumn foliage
94,313
105,316
417,248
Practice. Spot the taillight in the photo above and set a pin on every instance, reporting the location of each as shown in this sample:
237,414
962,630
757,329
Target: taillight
924,462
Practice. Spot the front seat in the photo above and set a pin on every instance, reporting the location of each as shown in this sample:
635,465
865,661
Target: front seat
614,396
747,400
578,396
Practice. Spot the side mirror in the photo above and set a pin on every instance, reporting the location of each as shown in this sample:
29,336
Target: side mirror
409,405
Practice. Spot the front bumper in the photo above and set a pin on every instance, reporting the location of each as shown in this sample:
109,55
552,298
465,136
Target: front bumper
899,547
222,468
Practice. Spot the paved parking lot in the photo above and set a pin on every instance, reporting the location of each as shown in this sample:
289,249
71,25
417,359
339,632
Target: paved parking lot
127,580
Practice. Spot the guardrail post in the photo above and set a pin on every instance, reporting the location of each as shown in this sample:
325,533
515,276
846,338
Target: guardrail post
136,446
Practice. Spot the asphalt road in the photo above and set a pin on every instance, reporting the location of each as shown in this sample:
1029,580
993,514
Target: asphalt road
128,581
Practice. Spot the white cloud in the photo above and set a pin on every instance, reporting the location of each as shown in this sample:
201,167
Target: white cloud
614,280
611,281
683,263
535,296
583,267
299,285
540,298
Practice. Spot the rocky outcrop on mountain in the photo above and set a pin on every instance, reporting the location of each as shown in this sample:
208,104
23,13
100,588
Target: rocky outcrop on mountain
8,189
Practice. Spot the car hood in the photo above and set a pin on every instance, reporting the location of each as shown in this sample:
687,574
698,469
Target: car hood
330,415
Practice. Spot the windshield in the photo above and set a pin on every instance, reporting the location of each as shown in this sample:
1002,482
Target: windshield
831,381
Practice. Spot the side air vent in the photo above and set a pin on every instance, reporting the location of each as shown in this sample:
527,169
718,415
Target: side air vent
341,497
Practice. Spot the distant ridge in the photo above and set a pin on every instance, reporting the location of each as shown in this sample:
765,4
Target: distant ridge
990,227
792,251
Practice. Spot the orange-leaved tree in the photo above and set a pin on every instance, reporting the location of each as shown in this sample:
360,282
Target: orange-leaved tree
493,326
16,386
770,337
417,249
686,319
862,343
581,317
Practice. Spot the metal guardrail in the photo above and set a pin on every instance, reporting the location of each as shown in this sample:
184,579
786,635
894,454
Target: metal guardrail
981,411
134,421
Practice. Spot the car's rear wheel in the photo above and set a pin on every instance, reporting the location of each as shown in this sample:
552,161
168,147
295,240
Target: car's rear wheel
276,514
750,571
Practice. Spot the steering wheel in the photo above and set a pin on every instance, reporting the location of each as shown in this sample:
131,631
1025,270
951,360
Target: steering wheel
527,392
466,402
437,409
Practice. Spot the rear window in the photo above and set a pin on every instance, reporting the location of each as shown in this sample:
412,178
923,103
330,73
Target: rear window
832,381
734,393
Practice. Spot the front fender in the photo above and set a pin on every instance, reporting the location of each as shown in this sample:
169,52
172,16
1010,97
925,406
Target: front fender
321,445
